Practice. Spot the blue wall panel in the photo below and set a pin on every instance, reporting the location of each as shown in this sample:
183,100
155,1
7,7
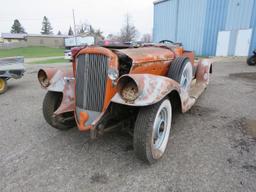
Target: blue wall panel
196,23
253,26
239,14
215,21
191,20
164,20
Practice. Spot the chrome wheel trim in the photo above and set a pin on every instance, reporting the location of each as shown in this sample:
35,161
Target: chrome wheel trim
186,76
161,129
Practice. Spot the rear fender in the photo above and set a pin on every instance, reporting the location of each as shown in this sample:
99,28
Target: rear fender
152,89
62,81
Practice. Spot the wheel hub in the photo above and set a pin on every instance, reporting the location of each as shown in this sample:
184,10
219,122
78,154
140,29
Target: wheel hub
160,128
186,76
1,84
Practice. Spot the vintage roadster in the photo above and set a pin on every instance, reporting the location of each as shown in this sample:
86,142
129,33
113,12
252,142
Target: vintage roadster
134,88
10,67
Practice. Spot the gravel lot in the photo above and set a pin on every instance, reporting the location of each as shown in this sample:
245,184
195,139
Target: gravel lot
212,147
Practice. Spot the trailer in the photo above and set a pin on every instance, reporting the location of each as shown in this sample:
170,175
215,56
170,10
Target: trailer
10,67
71,42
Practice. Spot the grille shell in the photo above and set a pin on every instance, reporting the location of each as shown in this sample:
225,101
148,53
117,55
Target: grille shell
91,78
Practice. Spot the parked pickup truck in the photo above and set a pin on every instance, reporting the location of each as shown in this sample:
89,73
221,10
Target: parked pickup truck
11,67
136,89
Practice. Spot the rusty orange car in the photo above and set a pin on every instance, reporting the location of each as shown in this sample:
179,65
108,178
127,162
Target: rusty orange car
136,88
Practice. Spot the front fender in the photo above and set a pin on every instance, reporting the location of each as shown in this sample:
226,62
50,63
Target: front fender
62,81
203,70
152,89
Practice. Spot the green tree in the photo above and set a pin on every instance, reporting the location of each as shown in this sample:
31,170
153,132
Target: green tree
70,31
17,27
59,33
46,26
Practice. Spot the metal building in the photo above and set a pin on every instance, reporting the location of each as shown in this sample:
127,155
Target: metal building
209,27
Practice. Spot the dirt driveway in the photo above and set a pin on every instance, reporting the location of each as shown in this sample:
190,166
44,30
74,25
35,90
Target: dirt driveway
212,147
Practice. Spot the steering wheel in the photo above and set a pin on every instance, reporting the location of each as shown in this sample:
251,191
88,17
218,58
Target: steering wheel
166,41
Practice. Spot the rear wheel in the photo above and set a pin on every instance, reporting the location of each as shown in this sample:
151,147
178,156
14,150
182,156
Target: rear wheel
181,70
251,60
51,103
3,85
152,130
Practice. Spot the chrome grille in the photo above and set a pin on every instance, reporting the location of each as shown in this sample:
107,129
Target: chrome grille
91,79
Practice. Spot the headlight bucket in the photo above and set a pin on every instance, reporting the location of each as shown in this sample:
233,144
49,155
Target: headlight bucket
128,89
43,78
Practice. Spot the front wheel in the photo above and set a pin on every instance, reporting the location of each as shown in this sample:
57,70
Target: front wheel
3,85
181,70
152,130
51,103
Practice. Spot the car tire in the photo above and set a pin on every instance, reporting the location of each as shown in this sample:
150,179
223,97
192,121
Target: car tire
152,130
181,70
251,60
51,103
3,85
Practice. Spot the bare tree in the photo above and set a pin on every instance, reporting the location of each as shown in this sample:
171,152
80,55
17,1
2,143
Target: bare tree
113,37
81,28
146,38
128,31
88,30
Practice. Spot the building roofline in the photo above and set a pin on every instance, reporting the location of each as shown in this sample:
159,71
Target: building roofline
50,36
159,1
13,35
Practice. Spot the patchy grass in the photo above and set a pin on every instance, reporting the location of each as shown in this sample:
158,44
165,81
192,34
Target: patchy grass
32,52
50,61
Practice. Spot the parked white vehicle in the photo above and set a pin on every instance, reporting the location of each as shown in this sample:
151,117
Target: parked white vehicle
76,42
10,67
68,54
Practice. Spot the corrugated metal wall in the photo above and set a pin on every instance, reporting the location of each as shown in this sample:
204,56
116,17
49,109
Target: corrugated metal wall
165,20
215,21
253,26
191,20
239,14
199,22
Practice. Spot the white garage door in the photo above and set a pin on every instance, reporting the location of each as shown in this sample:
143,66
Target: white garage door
223,43
243,42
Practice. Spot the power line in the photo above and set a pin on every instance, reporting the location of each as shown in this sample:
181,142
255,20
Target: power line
32,19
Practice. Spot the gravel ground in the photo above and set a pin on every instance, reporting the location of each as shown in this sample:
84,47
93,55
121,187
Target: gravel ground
211,148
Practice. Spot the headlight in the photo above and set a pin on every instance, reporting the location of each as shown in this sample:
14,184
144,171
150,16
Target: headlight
128,89
113,74
43,79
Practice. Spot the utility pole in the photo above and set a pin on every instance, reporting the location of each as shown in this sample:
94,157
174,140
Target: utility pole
74,20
